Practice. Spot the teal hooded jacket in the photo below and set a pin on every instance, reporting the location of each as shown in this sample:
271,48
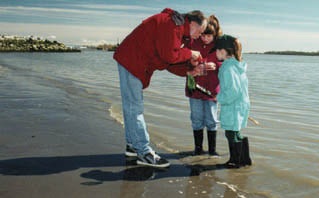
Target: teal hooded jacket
233,96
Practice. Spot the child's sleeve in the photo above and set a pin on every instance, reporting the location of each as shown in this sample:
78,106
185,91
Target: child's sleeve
230,87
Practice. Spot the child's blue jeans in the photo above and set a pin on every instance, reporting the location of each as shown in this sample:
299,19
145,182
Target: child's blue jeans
203,114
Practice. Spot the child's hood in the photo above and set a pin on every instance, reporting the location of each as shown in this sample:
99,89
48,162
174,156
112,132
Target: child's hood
240,65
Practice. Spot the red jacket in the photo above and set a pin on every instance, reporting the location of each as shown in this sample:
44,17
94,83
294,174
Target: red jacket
210,81
153,45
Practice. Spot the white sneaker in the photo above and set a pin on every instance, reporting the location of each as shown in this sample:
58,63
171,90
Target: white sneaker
152,159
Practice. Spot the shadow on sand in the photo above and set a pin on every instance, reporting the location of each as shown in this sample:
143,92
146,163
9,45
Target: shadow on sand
131,172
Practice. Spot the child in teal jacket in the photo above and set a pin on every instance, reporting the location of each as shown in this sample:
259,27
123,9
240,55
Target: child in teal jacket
234,99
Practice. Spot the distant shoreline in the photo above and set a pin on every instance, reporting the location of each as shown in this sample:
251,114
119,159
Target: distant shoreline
295,53
9,43
35,44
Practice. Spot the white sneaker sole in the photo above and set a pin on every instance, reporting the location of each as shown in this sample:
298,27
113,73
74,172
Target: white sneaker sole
129,154
153,165
214,156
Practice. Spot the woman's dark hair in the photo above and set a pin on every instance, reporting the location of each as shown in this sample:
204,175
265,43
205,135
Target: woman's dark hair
196,16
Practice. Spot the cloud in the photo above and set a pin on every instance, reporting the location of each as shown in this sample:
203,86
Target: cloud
116,7
18,9
254,39
62,12
261,39
276,17
268,33
51,37
299,23
89,23
69,34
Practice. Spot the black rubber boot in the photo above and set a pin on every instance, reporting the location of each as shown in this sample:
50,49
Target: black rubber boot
211,137
245,156
231,153
235,150
232,162
198,140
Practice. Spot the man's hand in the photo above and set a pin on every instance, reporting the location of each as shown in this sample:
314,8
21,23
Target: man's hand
196,55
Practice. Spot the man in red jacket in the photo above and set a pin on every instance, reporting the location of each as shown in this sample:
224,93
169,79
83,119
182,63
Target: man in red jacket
153,45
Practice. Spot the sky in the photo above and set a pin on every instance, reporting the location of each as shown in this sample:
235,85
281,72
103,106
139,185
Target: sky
261,26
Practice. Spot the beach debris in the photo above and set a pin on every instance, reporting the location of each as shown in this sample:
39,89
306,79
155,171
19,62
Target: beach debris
233,188
241,196
253,120
163,146
180,192
230,186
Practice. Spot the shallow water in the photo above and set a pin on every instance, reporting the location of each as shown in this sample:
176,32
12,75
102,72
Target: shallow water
284,92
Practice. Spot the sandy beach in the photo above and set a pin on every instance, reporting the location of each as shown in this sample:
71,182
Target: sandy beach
54,148
83,156
67,145
61,133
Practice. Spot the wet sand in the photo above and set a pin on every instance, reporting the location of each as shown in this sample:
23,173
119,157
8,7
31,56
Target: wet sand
59,141
57,138
73,150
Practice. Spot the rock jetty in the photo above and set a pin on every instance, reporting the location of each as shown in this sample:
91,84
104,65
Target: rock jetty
32,44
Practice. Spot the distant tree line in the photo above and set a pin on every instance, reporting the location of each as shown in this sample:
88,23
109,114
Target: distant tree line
107,47
293,53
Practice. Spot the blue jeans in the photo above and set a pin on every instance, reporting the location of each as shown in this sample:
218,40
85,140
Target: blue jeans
136,133
203,114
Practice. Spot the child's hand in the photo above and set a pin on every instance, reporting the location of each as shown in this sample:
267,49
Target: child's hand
194,72
214,98
210,66
194,62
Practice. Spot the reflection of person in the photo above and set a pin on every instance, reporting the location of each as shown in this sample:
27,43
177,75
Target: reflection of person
204,107
234,99
153,45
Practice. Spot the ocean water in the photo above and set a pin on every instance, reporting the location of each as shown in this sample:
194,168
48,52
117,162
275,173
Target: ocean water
284,95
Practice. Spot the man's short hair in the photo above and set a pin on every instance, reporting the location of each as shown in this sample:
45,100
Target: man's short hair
196,16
